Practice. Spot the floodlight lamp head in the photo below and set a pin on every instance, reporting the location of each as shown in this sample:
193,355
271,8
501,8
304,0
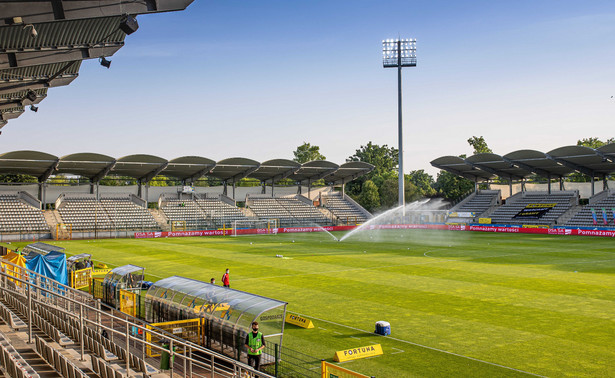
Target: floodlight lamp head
104,62
31,95
34,108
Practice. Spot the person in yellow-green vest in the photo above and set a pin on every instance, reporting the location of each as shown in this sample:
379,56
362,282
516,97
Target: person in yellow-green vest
255,342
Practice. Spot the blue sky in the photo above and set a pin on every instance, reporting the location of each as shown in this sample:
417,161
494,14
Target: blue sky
258,78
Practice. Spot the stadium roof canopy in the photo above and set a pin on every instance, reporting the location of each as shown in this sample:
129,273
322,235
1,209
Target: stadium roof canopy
234,169
187,168
42,43
33,163
92,166
314,170
520,164
275,170
349,171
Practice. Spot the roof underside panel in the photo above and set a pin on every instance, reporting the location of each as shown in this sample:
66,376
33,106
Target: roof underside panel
144,167
275,170
460,167
188,167
138,166
43,11
42,43
84,164
32,163
314,170
349,171
234,168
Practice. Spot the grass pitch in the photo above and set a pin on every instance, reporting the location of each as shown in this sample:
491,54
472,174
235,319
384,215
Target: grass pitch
459,303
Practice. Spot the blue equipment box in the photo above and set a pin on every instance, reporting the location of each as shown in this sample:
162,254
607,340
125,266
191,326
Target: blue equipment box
383,328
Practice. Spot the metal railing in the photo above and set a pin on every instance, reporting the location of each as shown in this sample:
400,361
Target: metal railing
285,362
130,334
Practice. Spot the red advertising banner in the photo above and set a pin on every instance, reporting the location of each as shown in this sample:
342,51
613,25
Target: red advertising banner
450,227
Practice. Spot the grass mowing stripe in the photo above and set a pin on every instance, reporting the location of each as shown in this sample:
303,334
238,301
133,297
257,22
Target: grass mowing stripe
428,347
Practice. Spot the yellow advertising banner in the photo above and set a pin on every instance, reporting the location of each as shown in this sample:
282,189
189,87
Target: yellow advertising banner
100,272
484,220
356,353
330,370
299,321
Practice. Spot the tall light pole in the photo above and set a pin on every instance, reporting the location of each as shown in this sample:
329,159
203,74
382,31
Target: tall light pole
399,53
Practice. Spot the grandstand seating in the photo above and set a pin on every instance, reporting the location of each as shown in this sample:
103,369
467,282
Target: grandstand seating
201,212
11,361
85,212
346,211
289,211
563,201
18,216
477,204
220,213
184,211
56,359
584,218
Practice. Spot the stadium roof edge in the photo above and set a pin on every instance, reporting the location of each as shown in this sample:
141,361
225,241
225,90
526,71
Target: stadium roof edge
520,164
143,167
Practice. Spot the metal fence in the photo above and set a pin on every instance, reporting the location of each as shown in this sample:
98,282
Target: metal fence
284,362
80,314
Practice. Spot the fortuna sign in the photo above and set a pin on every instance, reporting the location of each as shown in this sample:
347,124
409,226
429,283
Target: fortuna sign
356,353
299,321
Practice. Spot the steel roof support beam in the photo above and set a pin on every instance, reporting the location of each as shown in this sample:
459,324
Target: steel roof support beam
492,171
104,172
538,171
148,177
569,164
201,173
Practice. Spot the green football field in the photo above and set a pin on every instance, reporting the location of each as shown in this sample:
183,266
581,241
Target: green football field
459,303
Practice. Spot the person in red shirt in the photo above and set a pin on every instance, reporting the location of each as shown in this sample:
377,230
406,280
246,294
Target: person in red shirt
226,280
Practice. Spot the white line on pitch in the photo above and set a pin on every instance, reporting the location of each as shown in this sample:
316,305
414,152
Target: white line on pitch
428,347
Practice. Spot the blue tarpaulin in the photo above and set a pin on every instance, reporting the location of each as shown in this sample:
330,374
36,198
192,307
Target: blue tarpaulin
52,265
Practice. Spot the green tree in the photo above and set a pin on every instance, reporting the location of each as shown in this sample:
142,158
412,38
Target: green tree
246,181
369,197
594,142
479,145
17,178
423,181
383,158
388,192
306,152
451,186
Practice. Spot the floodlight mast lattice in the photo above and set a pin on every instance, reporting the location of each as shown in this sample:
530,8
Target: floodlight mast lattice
399,53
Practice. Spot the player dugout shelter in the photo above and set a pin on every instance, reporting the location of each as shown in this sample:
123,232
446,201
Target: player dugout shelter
227,314
187,169
520,165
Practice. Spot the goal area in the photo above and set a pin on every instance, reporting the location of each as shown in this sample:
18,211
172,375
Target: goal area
255,226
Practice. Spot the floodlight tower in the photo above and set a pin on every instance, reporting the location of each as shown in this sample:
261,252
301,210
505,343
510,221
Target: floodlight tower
399,53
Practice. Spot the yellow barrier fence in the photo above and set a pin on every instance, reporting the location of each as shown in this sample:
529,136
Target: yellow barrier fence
128,302
330,370
189,329
80,279
97,289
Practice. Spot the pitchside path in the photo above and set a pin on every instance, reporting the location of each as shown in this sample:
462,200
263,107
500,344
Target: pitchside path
543,305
